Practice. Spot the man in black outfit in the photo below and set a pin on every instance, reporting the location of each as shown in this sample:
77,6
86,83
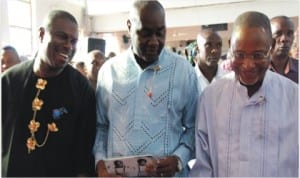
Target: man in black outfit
48,109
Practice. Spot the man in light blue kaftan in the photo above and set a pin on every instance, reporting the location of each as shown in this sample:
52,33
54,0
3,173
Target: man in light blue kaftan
247,122
146,99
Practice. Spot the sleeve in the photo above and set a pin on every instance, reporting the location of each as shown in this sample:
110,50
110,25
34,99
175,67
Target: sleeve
186,149
102,125
6,142
203,166
86,137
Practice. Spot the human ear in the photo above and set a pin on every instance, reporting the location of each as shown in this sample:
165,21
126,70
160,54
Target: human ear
129,25
41,33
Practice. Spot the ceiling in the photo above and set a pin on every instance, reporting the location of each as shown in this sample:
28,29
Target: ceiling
104,7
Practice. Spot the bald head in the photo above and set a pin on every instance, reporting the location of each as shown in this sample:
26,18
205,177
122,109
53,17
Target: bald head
252,19
250,48
58,14
139,6
147,30
206,34
282,19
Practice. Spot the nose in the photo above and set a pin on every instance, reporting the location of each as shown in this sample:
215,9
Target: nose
154,40
214,50
69,44
248,62
284,37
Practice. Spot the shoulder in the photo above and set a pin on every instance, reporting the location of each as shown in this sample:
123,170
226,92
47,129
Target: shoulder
226,78
119,61
18,72
181,64
281,90
78,81
294,61
294,64
276,80
178,58
221,85
20,68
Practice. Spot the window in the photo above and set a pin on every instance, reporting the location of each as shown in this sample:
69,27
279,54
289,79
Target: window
20,25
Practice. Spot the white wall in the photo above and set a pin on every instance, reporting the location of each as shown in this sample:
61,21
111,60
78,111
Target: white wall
41,8
4,30
203,15
183,17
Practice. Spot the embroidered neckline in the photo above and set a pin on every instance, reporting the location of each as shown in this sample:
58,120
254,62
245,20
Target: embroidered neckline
155,70
33,125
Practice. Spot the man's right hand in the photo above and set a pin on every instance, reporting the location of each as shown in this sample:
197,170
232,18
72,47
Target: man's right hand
101,169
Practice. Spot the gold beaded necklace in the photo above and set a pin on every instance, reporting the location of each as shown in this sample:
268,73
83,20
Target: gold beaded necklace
33,125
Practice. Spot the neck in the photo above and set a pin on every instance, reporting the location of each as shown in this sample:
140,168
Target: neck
142,63
41,69
208,71
253,88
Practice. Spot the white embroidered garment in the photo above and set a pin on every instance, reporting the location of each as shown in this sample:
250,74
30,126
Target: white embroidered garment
150,111
238,136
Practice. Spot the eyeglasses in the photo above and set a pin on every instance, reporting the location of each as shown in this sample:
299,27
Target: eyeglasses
257,56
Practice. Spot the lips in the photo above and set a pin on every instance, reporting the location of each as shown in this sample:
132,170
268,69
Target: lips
249,74
213,59
284,47
64,56
152,50
248,77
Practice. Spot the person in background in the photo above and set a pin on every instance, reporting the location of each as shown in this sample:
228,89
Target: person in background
295,46
96,59
225,64
209,48
146,99
295,50
247,121
48,109
9,57
283,35
111,55
191,52
81,67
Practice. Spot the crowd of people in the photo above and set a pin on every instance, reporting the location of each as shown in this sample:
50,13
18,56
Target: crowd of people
64,119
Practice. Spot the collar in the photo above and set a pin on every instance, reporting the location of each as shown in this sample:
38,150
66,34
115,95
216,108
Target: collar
165,59
260,95
220,72
159,61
